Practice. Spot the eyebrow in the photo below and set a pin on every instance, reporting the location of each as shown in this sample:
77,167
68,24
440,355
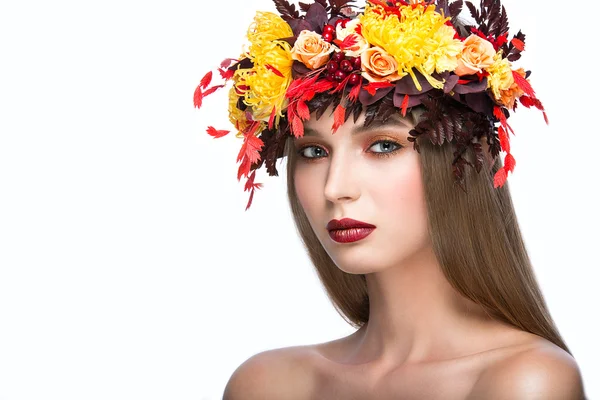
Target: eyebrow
374,125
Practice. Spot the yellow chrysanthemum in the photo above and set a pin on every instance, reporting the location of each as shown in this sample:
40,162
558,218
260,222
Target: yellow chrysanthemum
265,28
418,39
269,78
501,77
236,116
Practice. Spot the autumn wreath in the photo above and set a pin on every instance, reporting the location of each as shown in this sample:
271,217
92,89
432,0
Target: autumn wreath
383,58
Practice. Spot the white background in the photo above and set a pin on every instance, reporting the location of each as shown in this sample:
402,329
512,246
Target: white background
128,266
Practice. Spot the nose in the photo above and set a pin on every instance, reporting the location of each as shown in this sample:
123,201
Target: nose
342,184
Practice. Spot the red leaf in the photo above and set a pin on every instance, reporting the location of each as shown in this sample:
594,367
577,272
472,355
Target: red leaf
274,70
227,73
500,115
250,182
198,97
303,111
212,90
253,146
504,140
206,80
518,43
358,29
509,162
373,86
272,117
296,124
500,178
244,168
338,117
299,86
216,133
347,43
501,40
404,105
249,200
353,95
523,84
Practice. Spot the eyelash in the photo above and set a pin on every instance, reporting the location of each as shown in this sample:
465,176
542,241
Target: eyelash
377,154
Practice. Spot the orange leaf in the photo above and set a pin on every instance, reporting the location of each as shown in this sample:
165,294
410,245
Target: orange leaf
338,117
216,133
518,43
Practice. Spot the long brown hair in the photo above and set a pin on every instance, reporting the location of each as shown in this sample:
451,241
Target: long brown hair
476,238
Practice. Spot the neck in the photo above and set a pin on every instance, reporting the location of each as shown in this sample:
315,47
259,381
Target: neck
416,316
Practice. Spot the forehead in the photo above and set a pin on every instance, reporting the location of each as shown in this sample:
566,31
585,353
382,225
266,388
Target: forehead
322,127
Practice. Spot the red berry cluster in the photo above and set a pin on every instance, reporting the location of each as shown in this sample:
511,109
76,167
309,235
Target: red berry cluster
340,66
329,30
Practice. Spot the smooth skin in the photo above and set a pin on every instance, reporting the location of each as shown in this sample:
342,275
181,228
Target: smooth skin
423,339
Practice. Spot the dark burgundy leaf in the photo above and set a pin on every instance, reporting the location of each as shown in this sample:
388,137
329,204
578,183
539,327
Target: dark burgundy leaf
406,85
450,83
471,87
288,11
316,16
365,98
298,25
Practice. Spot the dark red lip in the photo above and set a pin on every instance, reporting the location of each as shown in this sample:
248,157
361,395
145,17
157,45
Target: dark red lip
346,223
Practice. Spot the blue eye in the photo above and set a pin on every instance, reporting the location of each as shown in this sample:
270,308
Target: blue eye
316,150
386,144
319,152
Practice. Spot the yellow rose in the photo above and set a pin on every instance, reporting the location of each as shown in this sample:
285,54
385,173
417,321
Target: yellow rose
500,75
311,49
477,54
379,66
350,29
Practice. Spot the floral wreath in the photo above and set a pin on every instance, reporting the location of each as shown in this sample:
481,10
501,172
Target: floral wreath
387,57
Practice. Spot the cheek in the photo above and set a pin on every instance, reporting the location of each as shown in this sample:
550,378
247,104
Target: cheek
402,198
309,191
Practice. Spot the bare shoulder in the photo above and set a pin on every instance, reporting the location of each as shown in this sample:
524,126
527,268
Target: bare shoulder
541,372
272,374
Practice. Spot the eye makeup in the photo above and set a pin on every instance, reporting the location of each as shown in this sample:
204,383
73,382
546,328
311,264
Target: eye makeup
377,140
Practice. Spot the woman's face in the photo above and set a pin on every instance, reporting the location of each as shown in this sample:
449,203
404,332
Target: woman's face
371,175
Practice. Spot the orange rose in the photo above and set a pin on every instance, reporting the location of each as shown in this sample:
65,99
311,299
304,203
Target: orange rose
378,65
509,96
477,54
311,49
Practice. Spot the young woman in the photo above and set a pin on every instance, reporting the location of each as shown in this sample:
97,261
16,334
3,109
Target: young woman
392,118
